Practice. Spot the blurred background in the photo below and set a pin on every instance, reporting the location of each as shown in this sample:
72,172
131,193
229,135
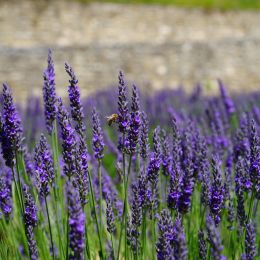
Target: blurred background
156,43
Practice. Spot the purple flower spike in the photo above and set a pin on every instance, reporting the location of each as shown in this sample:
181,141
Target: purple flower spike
123,116
250,241
155,161
164,247
254,157
98,143
11,127
134,124
144,141
69,144
110,217
75,103
30,221
214,240
202,245
49,94
5,194
76,224
228,102
166,157
217,191
43,166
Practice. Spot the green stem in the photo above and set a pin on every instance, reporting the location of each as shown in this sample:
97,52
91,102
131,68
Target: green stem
250,206
87,242
100,193
49,223
124,192
19,181
153,225
95,214
144,234
113,251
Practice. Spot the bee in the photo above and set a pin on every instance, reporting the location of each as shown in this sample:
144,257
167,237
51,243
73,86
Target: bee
112,119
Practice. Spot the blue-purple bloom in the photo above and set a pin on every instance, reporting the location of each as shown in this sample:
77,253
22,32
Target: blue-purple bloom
123,116
69,144
250,241
216,191
134,123
75,103
76,223
43,166
110,217
30,222
49,94
6,205
98,142
144,142
11,136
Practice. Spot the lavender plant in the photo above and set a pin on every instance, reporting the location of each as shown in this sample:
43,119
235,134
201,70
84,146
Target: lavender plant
179,179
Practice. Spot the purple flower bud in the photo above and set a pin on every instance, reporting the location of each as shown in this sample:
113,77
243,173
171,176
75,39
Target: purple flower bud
202,245
98,143
228,102
43,166
164,247
30,221
214,240
5,193
123,116
144,141
217,191
250,241
75,103
166,157
11,129
174,191
110,217
76,223
134,124
49,94
69,140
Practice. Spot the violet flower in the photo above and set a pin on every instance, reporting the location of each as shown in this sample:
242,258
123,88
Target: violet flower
12,129
123,117
134,123
69,144
98,143
43,166
216,191
144,139
76,223
250,241
6,205
30,221
111,228
202,245
49,94
75,103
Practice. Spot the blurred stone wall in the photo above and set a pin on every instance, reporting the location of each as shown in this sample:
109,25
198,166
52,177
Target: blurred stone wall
155,46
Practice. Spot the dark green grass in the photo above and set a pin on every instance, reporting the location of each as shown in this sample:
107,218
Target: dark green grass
206,4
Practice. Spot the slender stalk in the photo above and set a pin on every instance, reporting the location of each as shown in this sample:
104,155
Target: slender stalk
100,193
19,181
250,206
112,244
17,191
87,242
95,214
124,192
153,225
49,223
144,234
126,201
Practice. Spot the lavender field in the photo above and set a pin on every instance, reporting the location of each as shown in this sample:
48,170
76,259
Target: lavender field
126,175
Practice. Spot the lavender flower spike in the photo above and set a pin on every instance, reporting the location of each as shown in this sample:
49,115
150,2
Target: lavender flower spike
228,102
98,143
144,140
217,191
135,122
5,194
12,128
214,239
69,140
250,241
122,104
43,166
49,94
163,247
75,103
110,217
76,224
30,221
